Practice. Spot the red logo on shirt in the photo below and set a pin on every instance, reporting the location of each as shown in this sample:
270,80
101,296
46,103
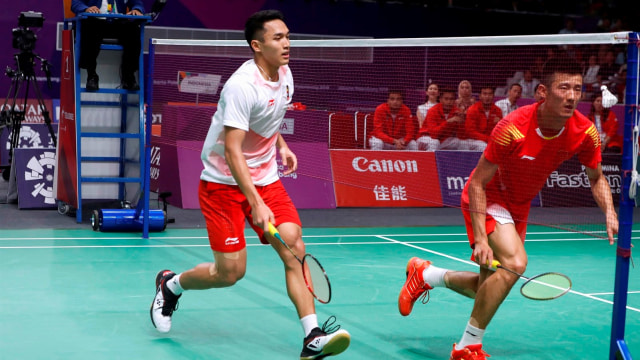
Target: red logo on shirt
271,102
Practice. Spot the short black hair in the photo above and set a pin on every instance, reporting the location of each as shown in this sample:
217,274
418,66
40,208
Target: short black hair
396,91
254,27
560,65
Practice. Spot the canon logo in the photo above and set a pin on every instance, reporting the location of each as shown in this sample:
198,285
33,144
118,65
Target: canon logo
362,164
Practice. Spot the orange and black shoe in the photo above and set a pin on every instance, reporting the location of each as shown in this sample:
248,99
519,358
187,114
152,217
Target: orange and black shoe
414,287
469,352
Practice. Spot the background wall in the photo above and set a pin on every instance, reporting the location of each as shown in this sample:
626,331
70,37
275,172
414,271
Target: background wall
327,17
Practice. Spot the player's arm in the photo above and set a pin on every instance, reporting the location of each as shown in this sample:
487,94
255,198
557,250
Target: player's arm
484,172
288,157
602,195
233,139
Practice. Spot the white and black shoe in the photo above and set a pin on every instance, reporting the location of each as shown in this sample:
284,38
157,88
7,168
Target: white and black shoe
165,302
324,342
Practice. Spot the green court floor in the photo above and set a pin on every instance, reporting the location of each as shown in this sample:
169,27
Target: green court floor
78,294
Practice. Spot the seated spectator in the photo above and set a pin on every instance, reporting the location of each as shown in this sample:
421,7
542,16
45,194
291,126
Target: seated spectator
569,27
608,68
393,127
482,117
538,95
433,93
465,99
590,75
607,125
510,103
528,84
444,122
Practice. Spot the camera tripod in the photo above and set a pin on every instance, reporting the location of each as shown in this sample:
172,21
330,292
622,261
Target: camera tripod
12,114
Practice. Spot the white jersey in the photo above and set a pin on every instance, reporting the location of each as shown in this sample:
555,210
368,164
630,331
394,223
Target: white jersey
257,106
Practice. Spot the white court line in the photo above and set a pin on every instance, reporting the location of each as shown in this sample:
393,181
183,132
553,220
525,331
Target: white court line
611,293
586,238
473,263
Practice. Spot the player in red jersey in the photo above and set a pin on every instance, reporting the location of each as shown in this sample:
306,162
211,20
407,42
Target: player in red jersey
524,148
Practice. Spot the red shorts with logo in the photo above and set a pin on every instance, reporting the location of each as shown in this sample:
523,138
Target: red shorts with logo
225,209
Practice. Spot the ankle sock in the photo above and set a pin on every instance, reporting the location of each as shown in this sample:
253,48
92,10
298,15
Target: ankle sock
309,323
434,276
472,335
174,285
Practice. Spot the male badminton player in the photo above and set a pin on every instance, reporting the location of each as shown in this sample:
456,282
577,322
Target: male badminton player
523,149
240,181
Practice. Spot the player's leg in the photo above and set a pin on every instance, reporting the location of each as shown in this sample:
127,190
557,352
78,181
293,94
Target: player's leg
508,248
318,341
506,241
222,207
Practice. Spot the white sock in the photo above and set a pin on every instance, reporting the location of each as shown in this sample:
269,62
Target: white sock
472,335
309,323
174,285
434,276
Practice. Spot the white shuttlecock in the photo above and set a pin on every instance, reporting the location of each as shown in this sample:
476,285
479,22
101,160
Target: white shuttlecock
608,99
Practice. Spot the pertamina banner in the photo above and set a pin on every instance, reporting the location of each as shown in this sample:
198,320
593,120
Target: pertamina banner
365,178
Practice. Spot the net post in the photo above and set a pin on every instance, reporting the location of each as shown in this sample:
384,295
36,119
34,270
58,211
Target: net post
626,203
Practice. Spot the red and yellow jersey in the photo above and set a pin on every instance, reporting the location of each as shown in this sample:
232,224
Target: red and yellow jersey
525,157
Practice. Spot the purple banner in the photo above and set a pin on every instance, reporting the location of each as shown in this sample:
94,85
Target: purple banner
311,186
34,176
569,185
32,136
454,168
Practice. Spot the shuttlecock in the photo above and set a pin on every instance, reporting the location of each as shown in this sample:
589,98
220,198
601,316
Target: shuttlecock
608,99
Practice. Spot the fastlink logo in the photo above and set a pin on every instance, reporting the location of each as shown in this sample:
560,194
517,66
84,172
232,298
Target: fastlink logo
362,164
581,180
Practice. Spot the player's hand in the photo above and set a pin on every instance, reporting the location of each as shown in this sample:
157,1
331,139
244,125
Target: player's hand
262,216
482,253
134,12
93,10
289,159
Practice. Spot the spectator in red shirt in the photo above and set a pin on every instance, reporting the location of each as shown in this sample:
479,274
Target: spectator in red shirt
482,117
393,125
524,148
607,125
443,124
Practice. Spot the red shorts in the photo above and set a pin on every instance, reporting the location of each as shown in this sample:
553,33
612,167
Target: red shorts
490,226
517,215
225,209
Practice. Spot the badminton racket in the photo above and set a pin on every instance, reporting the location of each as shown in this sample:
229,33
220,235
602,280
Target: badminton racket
315,277
545,286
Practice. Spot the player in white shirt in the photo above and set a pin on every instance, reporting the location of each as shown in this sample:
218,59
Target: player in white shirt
240,181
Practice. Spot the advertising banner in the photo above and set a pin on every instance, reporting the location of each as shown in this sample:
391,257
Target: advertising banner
454,168
569,185
385,178
311,187
34,176
32,136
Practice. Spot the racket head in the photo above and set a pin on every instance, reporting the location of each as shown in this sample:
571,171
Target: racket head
316,279
546,286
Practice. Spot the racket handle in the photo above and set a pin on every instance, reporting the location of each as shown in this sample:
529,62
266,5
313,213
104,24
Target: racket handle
494,264
273,231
